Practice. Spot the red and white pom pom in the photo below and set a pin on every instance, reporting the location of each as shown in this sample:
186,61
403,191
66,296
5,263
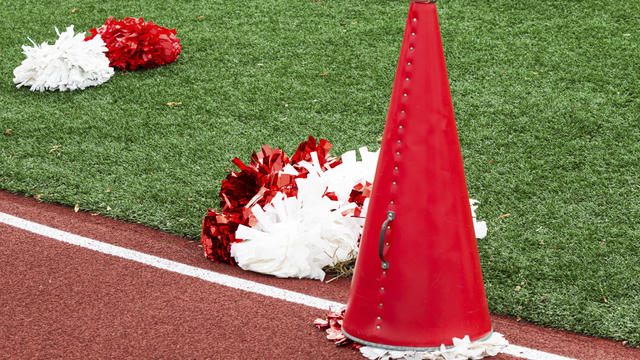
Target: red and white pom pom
298,236
270,172
69,64
134,43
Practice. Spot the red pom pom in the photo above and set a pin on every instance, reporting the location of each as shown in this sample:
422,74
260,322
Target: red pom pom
134,43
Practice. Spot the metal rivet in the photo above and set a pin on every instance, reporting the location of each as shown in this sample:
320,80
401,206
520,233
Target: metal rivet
405,94
407,79
408,64
387,244
388,227
381,289
396,168
394,183
378,327
379,318
398,153
402,111
413,34
411,48
400,126
380,304
415,19
399,141
383,273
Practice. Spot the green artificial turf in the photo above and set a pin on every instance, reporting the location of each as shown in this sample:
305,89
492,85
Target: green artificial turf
545,95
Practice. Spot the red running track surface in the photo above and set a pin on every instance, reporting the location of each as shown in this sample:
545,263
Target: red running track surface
62,301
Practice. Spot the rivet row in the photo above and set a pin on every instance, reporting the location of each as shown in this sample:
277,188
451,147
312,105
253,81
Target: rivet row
395,168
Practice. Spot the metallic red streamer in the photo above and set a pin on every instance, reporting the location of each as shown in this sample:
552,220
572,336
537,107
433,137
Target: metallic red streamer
332,325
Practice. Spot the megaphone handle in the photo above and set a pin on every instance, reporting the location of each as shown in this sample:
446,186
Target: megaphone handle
390,216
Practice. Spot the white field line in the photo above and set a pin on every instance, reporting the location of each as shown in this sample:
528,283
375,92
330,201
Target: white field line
527,353
158,262
214,277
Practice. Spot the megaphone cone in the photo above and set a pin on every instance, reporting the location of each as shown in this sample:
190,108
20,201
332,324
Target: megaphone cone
418,282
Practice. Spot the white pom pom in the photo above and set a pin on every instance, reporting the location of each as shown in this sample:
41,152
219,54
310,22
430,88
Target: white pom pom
69,64
297,236
480,227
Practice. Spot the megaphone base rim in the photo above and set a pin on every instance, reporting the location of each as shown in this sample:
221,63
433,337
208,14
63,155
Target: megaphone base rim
408,348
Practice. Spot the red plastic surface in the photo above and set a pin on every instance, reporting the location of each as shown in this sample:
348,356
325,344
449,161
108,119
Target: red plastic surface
433,290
